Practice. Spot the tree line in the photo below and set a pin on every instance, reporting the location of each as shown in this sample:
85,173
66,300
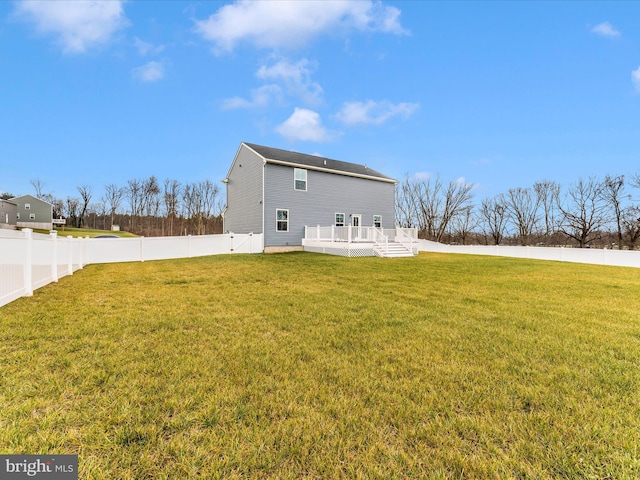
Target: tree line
598,212
143,206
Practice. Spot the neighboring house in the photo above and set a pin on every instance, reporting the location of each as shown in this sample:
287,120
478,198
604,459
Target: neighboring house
33,212
277,192
8,214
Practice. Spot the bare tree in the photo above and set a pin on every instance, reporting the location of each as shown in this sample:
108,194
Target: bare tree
548,192
584,212
613,193
464,223
113,196
522,209
71,206
85,195
38,186
150,202
493,214
407,211
631,225
208,192
133,192
172,190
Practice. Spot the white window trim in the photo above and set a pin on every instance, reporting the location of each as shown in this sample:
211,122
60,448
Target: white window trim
18,216
27,206
374,221
295,179
277,221
336,219
32,216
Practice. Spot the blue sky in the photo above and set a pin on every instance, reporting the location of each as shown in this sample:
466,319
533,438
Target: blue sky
500,93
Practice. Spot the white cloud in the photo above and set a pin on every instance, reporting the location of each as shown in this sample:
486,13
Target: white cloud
373,113
291,24
605,29
260,97
635,78
304,125
296,78
145,48
149,72
77,24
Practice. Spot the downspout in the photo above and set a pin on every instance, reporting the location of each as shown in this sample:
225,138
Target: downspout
264,231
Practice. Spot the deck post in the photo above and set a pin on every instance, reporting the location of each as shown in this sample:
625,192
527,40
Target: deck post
349,234
318,232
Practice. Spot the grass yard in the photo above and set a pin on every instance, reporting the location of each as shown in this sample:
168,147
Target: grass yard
311,366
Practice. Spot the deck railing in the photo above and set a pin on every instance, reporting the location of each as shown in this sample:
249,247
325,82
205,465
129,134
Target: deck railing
360,234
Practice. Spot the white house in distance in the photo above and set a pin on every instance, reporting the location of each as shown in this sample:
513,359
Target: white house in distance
296,200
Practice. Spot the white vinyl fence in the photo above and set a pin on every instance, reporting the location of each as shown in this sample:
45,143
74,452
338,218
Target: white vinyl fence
29,260
618,258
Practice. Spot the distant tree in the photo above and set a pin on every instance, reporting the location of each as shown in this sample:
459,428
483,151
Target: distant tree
522,209
547,193
112,198
631,225
85,195
584,211
6,195
613,193
133,192
38,186
464,223
493,217
71,206
171,194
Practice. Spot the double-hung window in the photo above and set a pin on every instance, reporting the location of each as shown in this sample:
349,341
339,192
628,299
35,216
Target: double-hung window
27,206
282,220
377,221
300,179
32,216
339,219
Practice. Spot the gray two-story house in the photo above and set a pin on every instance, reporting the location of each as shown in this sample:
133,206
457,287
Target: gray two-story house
278,192
8,214
33,212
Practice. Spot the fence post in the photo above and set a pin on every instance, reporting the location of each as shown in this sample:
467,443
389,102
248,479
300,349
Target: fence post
250,242
189,246
142,249
230,241
318,232
54,259
28,278
70,264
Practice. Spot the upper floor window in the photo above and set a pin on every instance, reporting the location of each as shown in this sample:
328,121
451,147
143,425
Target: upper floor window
27,206
377,221
32,216
339,219
300,179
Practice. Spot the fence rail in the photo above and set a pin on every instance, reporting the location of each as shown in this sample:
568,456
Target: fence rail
617,258
29,260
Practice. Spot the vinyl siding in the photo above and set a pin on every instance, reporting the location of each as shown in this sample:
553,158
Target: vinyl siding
244,193
326,195
42,210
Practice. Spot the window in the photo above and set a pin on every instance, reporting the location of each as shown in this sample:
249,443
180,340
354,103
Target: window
282,220
32,216
377,221
27,206
300,179
339,219
18,216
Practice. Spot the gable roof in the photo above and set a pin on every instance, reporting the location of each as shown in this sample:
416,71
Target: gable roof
314,162
20,199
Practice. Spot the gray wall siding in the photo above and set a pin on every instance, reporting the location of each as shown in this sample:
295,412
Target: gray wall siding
244,193
326,195
8,213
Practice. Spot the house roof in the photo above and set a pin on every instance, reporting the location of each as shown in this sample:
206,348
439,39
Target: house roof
314,162
17,200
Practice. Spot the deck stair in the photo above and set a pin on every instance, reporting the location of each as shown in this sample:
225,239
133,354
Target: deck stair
392,250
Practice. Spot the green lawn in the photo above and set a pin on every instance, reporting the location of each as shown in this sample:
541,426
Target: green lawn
312,366
86,232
